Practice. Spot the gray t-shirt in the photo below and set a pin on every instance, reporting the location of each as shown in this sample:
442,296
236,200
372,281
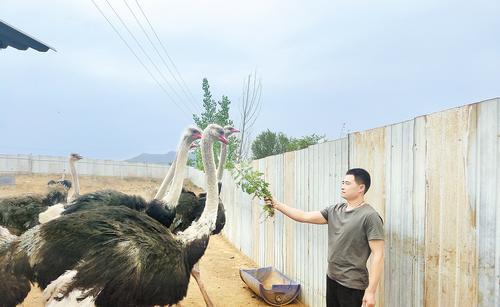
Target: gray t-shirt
348,236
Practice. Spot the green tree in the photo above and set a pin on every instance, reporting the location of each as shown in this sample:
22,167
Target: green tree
270,143
214,112
209,108
222,113
222,118
304,142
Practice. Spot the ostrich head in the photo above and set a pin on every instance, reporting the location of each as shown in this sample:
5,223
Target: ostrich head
75,157
230,130
216,133
191,134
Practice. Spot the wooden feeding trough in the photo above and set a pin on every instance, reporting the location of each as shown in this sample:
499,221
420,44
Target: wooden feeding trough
271,285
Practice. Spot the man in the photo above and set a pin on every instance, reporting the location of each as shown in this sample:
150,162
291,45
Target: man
355,230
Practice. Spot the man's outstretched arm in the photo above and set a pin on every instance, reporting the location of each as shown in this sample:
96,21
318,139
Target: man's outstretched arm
311,217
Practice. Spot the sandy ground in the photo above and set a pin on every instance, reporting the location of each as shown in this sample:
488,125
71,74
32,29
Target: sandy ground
219,267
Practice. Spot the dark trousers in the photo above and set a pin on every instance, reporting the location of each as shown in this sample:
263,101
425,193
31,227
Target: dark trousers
340,296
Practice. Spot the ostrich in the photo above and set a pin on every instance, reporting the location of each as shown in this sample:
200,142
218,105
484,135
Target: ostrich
73,158
161,210
54,211
186,212
110,256
191,207
228,131
221,215
20,213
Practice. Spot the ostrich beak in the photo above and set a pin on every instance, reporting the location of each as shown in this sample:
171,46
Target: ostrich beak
234,130
197,136
223,139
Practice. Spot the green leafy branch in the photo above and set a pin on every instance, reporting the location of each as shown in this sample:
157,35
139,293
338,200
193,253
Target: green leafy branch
253,183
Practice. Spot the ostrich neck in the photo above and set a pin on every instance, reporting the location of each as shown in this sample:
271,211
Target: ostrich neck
212,201
175,190
74,176
204,226
166,181
222,161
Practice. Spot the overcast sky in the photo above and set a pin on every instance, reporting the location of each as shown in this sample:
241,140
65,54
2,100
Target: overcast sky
322,63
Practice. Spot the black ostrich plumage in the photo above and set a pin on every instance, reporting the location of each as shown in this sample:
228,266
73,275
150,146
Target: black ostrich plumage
122,257
190,208
64,182
20,213
110,198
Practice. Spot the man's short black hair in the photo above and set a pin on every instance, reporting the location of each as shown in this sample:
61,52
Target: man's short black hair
361,176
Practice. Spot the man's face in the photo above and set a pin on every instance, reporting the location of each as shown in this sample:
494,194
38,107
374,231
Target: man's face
350,189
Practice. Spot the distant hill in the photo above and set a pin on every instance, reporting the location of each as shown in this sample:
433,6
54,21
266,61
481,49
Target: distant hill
165,159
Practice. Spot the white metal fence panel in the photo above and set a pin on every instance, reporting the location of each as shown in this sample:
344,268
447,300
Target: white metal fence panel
36,164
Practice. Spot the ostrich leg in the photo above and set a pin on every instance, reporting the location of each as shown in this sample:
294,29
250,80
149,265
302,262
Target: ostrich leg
195,272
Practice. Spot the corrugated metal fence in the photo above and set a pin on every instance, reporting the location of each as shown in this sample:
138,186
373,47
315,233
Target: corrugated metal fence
436,183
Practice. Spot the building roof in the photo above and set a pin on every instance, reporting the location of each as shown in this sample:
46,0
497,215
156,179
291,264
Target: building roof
10,36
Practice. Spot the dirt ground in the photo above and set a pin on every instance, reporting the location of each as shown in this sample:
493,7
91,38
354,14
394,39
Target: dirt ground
219,266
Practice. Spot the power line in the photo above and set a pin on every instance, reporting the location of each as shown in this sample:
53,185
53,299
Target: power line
138,59
189,98
165,50
147,55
